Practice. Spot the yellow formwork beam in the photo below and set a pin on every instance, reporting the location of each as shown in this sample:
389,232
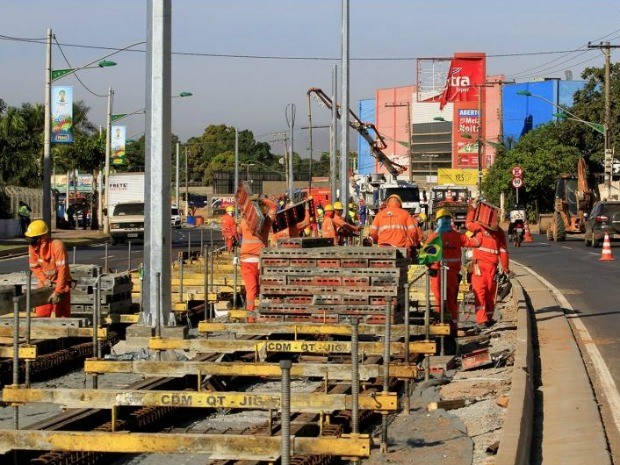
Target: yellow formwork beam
213,446
316,329
263,347
54,332
25,352
107,399
120,318
331,371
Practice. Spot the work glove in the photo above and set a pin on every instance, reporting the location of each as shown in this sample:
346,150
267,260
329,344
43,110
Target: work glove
47,283
55,298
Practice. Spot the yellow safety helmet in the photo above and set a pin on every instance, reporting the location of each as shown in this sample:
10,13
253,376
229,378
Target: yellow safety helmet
37,228
422,217
338,206
396,197
328,208
442,212
230,209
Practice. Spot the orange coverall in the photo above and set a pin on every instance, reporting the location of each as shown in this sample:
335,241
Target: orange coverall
395,227
492,251
229,231
452,242
328,229
251,245
48,261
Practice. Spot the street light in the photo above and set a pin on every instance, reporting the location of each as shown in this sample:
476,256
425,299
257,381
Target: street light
112,118
51,76
247,170
600,128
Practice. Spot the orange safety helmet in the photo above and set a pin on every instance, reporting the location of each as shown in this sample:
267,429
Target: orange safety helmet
394,200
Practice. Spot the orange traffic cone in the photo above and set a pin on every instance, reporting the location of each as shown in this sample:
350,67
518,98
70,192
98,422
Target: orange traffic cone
528,234
606,255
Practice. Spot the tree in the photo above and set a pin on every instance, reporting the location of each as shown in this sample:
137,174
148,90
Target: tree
543,154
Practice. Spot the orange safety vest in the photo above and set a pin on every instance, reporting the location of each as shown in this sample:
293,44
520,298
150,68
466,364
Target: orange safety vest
251,244
229,229
493,248
48,260
451,244
328,229
394,226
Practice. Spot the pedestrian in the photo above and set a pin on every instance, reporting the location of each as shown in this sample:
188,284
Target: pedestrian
491,254
252,242
362,213
395,227
50,265
23,212
71,216
452,242
229,228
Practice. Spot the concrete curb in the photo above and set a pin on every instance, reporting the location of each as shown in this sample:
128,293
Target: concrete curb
516,438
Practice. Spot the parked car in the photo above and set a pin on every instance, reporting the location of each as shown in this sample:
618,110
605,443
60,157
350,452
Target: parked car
175,217
604,218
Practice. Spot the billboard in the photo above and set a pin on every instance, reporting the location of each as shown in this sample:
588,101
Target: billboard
117,142
466,75
62,115
467,123
462,177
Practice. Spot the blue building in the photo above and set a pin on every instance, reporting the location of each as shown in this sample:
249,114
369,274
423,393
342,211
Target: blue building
365,160
521,113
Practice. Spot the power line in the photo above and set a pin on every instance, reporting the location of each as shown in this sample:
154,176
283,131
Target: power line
284,57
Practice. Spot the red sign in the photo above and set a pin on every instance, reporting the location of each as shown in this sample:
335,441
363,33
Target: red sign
517,172
466,74
465,136
517,182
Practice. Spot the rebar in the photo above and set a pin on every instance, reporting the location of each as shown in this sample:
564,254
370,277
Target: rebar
28,323
442,308
206,281
128,255
74,254
355,375
15,357
427,323
406,403
105,258
386,375
158,304
181,272
285,414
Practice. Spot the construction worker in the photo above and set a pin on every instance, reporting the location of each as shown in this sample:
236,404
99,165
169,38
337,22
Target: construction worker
486,259
328,229
229,228
352,217
394,226
344,230
23,212
49,264
452,242
251,245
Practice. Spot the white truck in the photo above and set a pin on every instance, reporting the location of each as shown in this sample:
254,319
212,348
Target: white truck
125,207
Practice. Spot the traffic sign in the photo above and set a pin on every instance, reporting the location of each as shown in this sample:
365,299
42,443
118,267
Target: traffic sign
517,171
517,182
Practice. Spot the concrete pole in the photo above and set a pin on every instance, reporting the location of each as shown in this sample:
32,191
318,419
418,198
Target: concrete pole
108,143
344,108
333,140
608,151
47,139
480,140
176,179
290,120
186,184
158,135
236,167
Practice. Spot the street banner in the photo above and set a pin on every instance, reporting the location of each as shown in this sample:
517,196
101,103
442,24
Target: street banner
117,142
62,115
458,177
465,76
467,123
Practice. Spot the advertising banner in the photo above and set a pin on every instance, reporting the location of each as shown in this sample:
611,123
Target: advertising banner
117,142
62,115
465,136
462,177
465,76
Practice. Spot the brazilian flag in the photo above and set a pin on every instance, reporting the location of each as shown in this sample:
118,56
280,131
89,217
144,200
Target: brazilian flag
431,251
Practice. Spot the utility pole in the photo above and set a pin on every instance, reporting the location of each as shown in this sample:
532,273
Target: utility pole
108,143
290,121
186,184
47,138
176,178
344,128
283,138
409,141
606,47
333,137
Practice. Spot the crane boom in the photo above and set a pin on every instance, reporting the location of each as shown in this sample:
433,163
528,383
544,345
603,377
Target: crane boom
377,145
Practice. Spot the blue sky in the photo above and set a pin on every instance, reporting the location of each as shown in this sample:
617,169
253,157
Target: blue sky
252,93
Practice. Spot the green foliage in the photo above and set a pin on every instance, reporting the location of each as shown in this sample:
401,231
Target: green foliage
543,155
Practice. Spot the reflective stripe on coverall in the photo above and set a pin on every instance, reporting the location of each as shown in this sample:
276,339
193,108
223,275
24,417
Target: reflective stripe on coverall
395,226
48,261
229,231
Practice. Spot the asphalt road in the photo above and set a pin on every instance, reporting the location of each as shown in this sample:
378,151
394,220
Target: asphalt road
589,285
118,255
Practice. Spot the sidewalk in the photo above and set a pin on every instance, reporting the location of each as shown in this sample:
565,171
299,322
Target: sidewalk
568,428
71,237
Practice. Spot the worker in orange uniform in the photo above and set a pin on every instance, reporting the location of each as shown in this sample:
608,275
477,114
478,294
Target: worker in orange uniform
251,245
394,226
486,259
229,228
49,264
343,228
328,229
452,242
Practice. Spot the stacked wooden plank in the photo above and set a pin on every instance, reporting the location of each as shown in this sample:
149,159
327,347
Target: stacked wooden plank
331,284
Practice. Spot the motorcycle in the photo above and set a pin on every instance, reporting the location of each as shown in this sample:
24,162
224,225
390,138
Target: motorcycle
516,229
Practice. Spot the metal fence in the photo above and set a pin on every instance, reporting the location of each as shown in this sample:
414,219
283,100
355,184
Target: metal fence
32,197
